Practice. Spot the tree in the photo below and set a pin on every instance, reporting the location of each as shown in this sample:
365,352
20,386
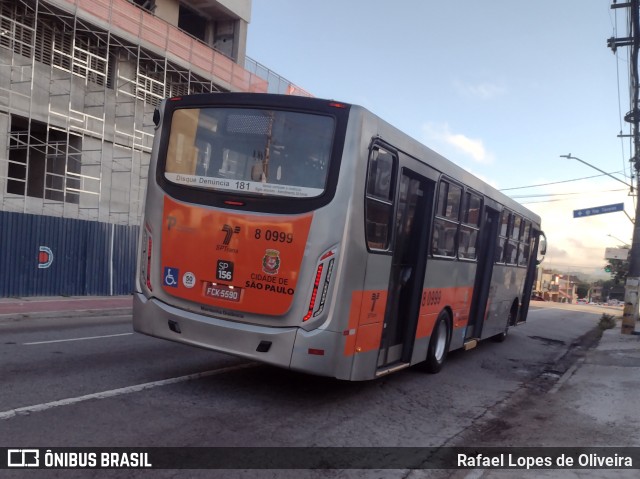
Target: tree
583,289
618,268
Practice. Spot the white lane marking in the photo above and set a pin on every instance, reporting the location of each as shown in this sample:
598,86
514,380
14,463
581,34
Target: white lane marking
76,339
119,392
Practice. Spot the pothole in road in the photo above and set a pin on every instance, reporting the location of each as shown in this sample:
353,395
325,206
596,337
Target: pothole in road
548,341
508,414
551,374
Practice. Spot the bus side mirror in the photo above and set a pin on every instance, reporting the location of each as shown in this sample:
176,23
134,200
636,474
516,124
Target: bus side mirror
156,117
542,248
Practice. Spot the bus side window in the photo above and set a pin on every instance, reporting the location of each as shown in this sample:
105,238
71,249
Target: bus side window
502,245
513,245
511,252
524,249
499,252
515,232
470,226
380,172
379,199
445,225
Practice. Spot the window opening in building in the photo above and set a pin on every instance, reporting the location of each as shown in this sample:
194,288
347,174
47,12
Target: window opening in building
192,22
43,162
148,5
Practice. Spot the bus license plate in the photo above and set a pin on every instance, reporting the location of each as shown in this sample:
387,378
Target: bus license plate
222,291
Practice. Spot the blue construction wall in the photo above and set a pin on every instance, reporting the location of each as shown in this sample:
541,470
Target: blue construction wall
49,256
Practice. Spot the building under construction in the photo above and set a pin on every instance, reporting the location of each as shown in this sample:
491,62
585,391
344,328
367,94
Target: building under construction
79,81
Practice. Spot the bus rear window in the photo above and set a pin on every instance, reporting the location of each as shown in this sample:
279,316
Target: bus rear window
250,151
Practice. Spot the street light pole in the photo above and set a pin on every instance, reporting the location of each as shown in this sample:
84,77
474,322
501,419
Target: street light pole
624,243
570,157
632,287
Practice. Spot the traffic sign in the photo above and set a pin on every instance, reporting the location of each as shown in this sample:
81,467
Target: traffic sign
616,253
598,210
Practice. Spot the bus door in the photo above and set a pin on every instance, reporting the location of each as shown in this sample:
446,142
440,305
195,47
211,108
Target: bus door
411,229
536,238
482,285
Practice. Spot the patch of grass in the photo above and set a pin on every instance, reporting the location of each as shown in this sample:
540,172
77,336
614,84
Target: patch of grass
607,321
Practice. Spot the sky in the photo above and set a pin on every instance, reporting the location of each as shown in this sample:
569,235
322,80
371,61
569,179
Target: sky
501,88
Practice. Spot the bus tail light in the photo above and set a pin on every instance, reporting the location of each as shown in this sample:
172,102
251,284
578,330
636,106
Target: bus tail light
145,261
314,294
319,286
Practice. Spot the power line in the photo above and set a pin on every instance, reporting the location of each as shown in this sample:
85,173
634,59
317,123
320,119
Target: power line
558,182
546,201
541,195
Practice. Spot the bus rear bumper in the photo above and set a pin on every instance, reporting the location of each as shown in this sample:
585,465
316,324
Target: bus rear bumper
158,319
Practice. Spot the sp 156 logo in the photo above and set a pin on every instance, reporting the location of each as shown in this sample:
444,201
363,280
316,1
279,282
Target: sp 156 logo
224,270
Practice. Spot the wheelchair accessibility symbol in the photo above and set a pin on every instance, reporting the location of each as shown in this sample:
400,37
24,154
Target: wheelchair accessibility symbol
171,276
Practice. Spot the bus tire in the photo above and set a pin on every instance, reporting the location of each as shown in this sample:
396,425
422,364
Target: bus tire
438,344
511,320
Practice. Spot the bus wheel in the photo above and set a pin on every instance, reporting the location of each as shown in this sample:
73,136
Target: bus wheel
438,345
511,319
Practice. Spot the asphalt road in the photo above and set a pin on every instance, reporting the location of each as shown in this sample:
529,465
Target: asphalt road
92,382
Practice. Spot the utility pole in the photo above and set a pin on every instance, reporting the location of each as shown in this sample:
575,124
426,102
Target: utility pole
632,40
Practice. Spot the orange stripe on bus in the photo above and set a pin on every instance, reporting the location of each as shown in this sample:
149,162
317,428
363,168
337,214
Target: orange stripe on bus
354,316
426,323
368,337
366,315
434,300
366,321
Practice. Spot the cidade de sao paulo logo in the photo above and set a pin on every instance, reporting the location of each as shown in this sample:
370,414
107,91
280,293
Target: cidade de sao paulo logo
269,281
271,261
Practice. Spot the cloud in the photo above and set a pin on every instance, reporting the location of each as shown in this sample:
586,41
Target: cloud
471,147
474,148
482,91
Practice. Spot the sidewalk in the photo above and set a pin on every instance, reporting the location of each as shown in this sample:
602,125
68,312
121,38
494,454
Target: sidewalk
41,307
594,404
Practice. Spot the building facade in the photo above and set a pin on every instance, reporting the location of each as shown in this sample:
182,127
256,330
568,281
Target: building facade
79,81
558,288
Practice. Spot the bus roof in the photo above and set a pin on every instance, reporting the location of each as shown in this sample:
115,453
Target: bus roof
388,132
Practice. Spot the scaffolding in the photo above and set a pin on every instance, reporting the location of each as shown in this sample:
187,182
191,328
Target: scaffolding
83,78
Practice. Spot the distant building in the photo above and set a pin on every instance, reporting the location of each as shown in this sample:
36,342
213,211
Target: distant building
79,81
556,287
595,293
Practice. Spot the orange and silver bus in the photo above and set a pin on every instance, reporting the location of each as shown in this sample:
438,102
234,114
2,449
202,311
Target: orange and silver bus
312,235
